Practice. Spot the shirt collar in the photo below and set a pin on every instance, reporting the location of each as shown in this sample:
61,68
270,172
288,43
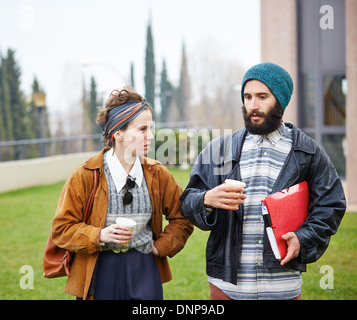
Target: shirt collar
118,173
272,137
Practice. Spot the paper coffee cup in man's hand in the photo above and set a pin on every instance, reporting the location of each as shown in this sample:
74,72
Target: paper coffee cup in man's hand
126,222
237,183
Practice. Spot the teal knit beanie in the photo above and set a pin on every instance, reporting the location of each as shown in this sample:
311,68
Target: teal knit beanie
274,77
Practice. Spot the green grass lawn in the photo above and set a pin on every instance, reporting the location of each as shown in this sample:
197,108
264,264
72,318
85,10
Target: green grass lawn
25,219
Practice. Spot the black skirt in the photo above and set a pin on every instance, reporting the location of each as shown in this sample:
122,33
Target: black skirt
127,276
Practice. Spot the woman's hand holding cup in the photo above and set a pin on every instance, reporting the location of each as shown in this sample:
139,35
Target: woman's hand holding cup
119,233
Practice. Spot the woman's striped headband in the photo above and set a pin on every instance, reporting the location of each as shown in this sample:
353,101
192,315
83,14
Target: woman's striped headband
119,116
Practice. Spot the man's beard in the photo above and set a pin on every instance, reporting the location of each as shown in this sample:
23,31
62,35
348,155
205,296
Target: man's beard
271,123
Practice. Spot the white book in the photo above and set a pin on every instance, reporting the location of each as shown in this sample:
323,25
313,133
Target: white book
270,232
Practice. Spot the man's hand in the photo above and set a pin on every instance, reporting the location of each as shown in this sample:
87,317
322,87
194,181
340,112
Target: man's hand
293,247
224,196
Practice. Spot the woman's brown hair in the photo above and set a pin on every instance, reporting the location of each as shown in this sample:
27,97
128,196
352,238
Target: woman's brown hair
117,98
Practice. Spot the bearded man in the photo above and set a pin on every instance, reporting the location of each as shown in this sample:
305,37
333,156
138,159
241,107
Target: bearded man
268,155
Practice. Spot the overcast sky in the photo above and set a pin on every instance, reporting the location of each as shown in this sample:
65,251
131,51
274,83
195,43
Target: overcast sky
65,42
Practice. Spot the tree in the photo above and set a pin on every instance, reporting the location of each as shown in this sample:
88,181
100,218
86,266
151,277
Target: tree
93,105
57,148
132,81
19,116
34,114
215,79
6,128
90,105
150,68
184,91
166,93
86,128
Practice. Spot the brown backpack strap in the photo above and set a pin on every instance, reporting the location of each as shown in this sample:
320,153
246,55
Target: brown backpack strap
90,200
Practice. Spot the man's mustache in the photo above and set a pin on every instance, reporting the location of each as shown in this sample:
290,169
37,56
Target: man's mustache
256,113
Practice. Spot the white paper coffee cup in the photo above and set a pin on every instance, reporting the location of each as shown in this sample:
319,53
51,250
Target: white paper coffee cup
235,183
126,222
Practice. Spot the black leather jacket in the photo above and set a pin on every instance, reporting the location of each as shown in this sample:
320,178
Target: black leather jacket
307,160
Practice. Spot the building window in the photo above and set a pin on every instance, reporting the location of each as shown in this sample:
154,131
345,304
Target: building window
309,101
335,146
321,77
334,100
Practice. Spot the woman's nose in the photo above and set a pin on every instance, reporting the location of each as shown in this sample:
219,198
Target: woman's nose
150,135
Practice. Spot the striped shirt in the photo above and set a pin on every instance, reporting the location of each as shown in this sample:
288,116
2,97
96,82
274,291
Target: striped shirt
261,162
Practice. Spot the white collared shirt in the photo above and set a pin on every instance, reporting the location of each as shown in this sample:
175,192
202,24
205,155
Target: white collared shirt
118,173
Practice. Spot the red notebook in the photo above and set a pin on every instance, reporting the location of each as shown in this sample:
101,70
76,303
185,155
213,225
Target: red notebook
283,212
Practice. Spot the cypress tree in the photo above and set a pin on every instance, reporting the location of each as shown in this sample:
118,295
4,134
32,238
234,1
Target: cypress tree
19,116
184,88
5,104
132,81
6,130
150,68
166,93
2,125
90,104
86,122
93,104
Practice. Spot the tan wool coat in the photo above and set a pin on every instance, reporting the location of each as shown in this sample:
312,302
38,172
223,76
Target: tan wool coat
69,232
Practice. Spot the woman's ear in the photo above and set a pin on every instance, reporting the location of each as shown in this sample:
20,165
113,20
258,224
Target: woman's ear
119,135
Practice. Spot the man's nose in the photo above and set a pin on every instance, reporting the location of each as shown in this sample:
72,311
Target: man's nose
253,105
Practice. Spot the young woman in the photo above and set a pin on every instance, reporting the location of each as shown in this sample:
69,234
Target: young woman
132,186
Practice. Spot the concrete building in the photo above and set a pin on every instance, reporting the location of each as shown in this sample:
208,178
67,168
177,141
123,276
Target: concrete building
316,41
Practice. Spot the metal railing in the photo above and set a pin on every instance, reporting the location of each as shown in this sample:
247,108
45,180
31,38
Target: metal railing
49,146
44,147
